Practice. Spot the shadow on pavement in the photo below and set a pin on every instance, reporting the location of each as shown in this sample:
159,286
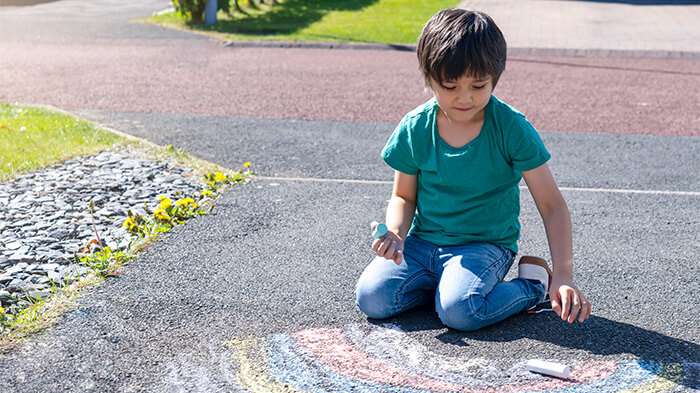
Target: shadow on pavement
597,335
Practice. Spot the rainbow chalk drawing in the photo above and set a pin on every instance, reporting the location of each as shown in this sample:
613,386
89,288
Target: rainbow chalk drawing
361,358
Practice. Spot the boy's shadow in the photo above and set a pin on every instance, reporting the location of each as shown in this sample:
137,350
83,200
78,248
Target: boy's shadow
596,335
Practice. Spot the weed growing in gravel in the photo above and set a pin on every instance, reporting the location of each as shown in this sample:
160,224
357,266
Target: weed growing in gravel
5,319
168,213
104,262
27,315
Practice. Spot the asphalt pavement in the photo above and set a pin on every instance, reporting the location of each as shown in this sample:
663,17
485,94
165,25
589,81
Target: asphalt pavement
258,296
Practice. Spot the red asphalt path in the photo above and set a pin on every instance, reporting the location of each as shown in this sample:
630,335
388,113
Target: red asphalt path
617,95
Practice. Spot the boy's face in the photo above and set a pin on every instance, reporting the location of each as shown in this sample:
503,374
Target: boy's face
463,99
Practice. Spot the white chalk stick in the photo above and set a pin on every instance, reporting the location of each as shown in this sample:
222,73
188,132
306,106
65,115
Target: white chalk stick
549,368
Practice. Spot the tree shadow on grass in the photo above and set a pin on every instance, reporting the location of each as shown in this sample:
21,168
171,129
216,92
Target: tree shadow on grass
288,17
597,335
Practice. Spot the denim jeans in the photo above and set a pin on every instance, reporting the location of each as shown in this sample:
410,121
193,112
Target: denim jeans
464,281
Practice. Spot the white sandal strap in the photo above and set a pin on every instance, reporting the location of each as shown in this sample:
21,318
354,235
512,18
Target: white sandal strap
534,272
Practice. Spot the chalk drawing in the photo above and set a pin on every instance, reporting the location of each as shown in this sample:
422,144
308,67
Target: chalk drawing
384,358
201,371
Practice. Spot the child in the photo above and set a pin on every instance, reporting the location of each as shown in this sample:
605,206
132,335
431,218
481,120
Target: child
458,160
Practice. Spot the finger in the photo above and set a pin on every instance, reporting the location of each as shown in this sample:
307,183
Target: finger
373,225
585,312
556,307
575,308
391,250
565,303
386,243
375,245
585,309
399,257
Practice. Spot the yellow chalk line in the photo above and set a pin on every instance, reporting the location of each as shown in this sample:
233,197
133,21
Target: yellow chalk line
253,377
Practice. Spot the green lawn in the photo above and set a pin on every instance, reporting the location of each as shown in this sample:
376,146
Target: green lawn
31,138
368,21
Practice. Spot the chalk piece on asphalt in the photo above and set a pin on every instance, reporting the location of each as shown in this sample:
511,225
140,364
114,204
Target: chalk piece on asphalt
549,368
379,231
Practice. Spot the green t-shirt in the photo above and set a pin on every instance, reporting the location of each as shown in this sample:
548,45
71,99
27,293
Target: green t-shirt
467,194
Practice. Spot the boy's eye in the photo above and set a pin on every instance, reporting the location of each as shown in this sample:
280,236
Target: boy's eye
448,87
479,87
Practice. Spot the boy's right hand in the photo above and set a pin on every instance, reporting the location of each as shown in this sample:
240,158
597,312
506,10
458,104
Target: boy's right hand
389,246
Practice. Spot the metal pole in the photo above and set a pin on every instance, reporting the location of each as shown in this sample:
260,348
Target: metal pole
210,12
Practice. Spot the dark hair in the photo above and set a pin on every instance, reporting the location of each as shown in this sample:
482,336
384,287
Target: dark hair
457,42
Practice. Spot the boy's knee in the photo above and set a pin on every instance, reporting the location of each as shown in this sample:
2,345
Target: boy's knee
373,302
459,316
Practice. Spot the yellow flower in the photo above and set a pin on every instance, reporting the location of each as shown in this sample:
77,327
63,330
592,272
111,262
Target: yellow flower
165,203
161,214
246,164
186,202
207,193
129,224
219,177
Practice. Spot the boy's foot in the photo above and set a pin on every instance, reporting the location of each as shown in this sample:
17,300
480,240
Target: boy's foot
535,268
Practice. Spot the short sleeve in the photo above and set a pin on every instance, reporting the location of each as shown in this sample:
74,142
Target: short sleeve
397,152
525,147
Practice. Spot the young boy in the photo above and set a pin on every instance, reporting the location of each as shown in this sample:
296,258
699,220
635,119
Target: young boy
458,160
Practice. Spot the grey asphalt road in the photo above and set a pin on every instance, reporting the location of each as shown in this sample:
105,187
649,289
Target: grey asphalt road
278,257
274,267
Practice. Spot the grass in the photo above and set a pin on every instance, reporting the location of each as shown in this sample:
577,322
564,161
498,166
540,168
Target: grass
361,21
32,138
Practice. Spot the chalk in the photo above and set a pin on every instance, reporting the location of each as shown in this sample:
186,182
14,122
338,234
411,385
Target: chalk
549,368
380,231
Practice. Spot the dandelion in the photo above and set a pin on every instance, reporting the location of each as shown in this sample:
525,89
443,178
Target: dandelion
246,164
161,214
186,202
130,224
166,203
219,177
207,193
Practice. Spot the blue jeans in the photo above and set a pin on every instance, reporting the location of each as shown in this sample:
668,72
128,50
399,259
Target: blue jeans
465,282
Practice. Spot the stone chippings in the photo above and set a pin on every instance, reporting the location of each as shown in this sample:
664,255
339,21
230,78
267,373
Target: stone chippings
45,220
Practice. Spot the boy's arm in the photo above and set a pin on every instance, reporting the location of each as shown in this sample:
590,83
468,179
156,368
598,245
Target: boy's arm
402,204
556,218
399,215
567,300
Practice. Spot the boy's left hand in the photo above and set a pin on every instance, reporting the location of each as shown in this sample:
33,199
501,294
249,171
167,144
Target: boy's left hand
568,301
